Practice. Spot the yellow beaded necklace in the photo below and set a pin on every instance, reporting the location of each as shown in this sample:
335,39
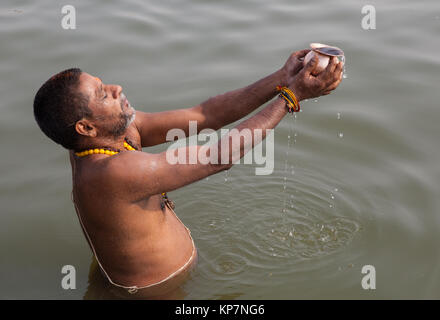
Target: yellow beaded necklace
106,150
110,152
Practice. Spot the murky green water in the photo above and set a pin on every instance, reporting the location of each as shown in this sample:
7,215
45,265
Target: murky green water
357,183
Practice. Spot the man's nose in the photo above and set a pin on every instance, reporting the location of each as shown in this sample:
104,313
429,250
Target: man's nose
116,91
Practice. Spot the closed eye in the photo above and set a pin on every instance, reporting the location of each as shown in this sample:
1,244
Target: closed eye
104,93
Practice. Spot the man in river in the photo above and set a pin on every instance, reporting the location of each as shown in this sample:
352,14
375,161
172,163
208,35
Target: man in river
119,191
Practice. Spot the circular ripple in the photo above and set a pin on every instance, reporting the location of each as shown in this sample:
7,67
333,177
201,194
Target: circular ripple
307,238
266,228
228,264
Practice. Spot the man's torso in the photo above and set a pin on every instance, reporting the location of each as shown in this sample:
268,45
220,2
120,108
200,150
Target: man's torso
137,241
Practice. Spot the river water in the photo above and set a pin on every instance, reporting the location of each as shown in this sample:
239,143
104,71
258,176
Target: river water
357,183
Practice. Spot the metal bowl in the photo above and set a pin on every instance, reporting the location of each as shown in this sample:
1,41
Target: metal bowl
327,50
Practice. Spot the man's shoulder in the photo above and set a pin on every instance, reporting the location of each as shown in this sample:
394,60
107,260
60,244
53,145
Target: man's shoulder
128,174
127,165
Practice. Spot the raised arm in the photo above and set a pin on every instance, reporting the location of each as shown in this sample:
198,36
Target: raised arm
150,174
220,110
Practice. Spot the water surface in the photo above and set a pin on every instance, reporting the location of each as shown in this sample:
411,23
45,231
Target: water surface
357,182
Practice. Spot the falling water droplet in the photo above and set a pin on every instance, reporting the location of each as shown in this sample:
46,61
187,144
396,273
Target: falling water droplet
332,196
344,72
339,115
336,189
341,135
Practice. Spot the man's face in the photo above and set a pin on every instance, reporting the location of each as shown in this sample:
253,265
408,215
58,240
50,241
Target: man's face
112,113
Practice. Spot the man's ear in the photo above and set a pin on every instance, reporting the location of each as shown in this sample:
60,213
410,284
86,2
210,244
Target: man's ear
85,128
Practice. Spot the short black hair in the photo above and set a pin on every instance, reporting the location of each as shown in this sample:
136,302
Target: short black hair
58,105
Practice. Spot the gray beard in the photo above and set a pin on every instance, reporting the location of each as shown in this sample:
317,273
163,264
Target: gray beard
124,122
131,119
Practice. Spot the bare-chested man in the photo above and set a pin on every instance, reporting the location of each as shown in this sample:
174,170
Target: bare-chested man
119,192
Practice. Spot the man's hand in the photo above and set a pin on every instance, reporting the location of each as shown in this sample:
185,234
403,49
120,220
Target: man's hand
306,86
293,65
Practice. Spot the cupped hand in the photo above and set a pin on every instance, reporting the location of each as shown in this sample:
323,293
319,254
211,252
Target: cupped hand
294,65
305,85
